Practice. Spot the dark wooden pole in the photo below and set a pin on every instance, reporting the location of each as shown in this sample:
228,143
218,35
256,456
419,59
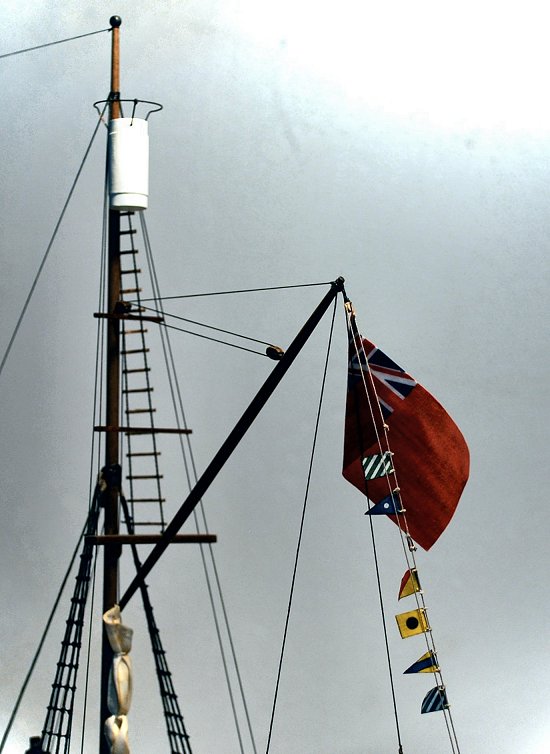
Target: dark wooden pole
112,417
232,440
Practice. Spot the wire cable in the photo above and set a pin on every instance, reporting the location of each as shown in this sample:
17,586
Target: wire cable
42,639
214,340
301,530
191,474
243,290
382,439
50,44
208,327
49,246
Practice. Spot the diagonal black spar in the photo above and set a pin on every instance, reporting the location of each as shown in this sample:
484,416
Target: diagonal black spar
233,439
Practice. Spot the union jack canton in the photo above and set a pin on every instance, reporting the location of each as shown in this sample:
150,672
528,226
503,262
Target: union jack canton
391,383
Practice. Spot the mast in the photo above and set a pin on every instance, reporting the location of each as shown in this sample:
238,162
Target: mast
111,552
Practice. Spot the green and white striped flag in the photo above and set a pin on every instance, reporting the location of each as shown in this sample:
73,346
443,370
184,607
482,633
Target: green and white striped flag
378,465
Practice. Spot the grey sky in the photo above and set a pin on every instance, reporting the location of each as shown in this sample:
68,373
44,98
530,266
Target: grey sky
403,147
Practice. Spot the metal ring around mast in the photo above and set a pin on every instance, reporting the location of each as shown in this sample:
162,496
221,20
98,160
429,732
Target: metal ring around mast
157,106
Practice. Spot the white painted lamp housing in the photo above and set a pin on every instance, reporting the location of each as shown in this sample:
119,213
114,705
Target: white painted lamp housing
128,163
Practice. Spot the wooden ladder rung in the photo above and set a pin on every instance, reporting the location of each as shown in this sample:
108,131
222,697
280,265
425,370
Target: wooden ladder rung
144,453
138,390
129,251
147,539
146,500
134,271
145,476
133,371
134,350
143,430
128,232
140,411
130,290
138,331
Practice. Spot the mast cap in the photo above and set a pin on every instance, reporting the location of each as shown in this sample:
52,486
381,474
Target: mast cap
115,22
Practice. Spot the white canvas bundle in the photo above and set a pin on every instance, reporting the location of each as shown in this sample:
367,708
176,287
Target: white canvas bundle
116,731
120,681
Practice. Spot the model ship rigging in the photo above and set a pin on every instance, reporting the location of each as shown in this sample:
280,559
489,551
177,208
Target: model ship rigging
376,431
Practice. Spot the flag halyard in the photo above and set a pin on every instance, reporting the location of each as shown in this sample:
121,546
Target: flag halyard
435,700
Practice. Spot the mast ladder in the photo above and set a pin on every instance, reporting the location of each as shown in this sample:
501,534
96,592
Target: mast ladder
144,477
142,453
56,733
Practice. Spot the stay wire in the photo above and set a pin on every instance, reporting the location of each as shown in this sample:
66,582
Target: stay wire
178,403
301,530
403,528
50,44
208,327
75,552
42,638
242,290
50,244
95,456
352,339
406,539
88,652
213,340
174,387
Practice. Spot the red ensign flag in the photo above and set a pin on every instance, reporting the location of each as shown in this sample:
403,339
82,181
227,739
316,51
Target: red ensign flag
430,455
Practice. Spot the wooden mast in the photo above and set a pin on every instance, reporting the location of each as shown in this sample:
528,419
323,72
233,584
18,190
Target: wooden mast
112,470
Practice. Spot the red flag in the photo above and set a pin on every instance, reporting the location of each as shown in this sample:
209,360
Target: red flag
430,455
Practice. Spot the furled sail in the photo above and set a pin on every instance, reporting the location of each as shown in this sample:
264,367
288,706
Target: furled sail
120,681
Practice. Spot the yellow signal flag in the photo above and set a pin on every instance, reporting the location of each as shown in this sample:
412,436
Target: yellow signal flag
412,623
410,583
426,664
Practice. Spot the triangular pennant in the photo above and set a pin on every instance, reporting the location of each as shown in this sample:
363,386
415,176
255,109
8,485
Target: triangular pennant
412,623
377,465
435,700
409,583
426,664
389,506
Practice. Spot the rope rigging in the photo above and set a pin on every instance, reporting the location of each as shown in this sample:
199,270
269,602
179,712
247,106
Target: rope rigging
300,533
407,543
242,290
43,637
49,247
213,340
209,327
50,44
192,477
352,332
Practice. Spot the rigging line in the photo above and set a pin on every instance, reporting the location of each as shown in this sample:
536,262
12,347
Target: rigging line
175,390
243,290
98,371
50,44
403,532
214,340
172,377
42,639
209,327
96,411
88,651
352,339
220,643
301,530
50,244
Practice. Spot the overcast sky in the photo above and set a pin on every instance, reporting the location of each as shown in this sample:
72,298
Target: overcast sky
403,146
